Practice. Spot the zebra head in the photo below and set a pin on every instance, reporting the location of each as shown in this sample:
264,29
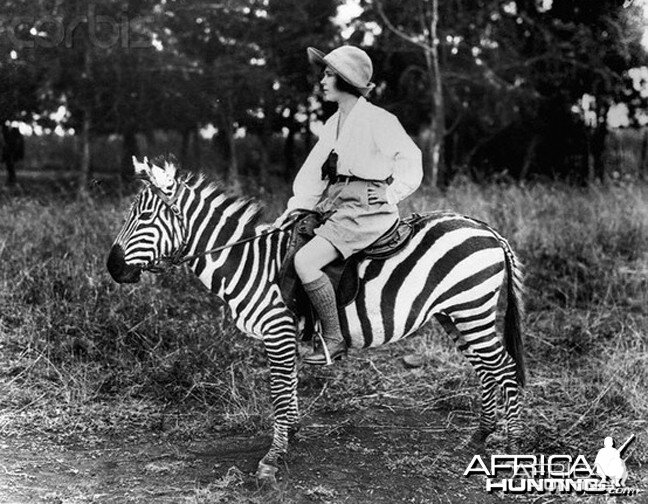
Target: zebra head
154,230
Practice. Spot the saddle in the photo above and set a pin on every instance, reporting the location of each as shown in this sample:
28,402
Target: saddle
342,273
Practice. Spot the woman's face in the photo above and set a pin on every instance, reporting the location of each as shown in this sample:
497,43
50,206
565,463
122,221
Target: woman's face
329,88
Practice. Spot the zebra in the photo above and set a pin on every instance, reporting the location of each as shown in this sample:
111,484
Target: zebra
453,269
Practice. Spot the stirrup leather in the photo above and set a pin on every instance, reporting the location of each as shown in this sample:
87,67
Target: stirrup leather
324,346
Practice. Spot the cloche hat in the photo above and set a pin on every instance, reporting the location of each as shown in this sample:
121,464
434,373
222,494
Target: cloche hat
349,62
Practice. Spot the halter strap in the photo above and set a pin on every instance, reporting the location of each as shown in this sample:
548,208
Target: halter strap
290,220
177,258
171,203
226,246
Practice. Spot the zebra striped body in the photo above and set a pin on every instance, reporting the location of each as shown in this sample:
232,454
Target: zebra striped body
453,268
449,250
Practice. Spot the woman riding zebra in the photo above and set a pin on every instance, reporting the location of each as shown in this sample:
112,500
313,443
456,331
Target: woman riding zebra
360,148
453,269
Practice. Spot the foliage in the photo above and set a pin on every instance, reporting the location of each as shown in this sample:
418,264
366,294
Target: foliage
512,73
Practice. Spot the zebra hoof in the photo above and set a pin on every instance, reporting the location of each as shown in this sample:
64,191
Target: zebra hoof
514,446
477,441
267,474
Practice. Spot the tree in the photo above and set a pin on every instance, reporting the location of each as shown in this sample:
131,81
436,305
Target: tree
294,25
74,52
23,75
417,24
222,39
514,68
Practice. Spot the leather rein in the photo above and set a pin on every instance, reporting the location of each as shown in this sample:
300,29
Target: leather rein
178,258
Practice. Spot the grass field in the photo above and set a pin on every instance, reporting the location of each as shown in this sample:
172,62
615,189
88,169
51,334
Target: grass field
84,360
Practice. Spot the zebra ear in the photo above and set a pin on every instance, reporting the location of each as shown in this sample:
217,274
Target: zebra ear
164,177
142,170
170,167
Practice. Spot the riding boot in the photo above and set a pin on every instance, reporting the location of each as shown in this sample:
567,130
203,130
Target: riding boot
322,296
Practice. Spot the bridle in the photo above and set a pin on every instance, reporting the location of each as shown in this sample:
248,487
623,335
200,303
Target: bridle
164,263
171,202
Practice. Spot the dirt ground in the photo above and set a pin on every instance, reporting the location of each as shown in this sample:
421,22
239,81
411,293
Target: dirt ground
380,456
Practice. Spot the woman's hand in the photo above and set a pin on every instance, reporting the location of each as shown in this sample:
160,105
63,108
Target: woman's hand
377,195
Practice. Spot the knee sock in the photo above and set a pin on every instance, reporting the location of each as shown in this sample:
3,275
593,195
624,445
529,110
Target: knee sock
322,295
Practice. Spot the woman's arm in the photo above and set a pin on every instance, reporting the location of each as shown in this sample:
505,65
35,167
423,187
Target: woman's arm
393,141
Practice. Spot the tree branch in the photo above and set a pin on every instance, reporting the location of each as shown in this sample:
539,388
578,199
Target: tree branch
450,130
398,32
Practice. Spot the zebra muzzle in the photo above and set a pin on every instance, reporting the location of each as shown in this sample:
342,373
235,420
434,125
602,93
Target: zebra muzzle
119,270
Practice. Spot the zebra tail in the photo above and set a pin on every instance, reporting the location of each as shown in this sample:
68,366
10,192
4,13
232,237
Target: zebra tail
514,312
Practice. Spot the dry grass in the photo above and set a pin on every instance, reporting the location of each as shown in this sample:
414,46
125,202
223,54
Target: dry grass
586,257
81,356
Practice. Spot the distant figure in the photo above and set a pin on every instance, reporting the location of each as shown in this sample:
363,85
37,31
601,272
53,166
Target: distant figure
13,150
609,464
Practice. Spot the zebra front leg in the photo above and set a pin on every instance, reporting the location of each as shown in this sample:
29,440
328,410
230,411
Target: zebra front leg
293,413
281,353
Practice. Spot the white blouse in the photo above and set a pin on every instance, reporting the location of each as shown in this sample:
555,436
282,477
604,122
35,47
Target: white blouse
371,145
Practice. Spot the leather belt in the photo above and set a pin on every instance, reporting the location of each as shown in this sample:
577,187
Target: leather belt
350,178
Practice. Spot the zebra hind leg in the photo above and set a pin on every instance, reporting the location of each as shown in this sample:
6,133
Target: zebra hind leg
487,376
497,371
511,389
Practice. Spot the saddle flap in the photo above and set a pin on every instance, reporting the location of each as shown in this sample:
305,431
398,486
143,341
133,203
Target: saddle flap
302,226
391,242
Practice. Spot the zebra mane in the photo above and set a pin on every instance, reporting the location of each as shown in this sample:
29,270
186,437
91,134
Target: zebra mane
210,188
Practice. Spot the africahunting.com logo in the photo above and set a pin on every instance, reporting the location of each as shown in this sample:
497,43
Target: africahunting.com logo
523,474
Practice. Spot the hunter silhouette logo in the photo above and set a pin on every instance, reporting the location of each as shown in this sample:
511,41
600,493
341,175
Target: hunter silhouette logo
608,463
557,473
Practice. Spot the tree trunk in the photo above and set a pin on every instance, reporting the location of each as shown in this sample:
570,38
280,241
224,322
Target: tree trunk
644,155
197,151
529,157
263,171
84,164
429,9
220,143
435,173
184,146
598,149
129,149
233,174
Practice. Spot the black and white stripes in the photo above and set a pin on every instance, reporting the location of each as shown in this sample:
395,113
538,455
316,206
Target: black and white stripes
453,269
